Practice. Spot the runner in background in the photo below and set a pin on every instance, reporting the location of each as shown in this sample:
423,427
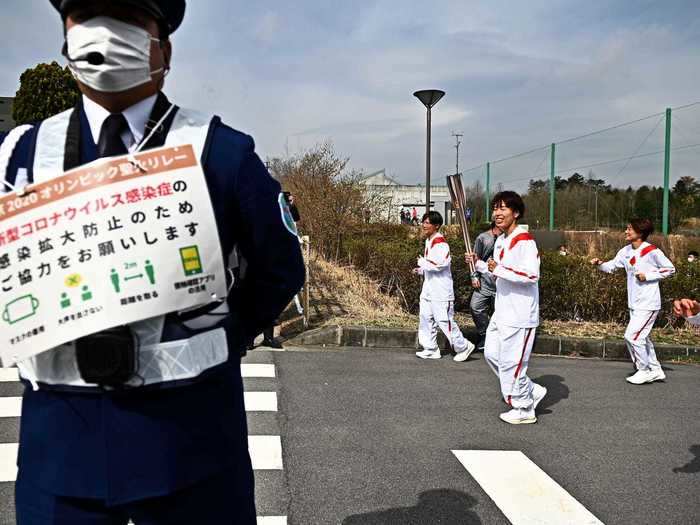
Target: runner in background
437,296
645,265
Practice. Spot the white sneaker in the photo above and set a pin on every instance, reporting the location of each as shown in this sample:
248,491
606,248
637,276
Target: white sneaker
641,377
464,354
657,375
519,416
429,354
538,393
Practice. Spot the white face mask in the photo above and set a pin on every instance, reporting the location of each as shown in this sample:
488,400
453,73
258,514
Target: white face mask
109,55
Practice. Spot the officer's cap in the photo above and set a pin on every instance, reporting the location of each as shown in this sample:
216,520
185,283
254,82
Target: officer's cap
168,13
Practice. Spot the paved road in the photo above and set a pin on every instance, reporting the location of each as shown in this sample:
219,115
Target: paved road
368,436
260,385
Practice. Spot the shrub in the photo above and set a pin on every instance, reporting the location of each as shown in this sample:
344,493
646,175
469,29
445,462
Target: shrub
570,288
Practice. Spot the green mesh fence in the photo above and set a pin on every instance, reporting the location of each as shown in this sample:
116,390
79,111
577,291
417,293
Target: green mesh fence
602,178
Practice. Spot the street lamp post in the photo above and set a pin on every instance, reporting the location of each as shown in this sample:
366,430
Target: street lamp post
429,97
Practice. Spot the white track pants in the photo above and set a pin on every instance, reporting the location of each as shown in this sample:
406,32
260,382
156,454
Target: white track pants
637,337
507,351
434,315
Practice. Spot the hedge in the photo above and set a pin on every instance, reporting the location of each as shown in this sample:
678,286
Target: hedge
570,288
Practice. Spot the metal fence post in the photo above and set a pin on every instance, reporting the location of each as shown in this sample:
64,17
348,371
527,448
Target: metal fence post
551,186
487,206
667,171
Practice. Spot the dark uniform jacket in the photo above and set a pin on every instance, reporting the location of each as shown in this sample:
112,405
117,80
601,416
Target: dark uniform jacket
141,443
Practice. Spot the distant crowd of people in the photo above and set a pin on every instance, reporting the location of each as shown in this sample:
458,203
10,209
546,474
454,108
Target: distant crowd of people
505,300
409,216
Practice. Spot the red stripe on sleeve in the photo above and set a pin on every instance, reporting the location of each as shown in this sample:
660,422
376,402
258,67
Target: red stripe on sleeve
520,273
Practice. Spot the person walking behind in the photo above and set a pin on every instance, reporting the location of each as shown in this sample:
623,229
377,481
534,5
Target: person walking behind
645,265
511,332
437,295
484,284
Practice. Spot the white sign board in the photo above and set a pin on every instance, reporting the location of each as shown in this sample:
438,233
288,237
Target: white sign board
106,244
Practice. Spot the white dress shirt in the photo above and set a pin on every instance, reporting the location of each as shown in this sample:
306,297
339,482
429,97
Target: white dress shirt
136,116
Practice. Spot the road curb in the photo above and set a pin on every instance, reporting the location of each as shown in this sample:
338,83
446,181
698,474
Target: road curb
379,337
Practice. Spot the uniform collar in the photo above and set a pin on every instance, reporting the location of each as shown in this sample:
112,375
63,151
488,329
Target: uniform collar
518,230
641,246
136,116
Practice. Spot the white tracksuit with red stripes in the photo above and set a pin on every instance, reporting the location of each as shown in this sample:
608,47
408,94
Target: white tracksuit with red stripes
511,332
643,297
437,297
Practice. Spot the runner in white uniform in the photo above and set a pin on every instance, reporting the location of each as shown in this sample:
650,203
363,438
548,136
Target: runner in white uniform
645,265
511,332
437,296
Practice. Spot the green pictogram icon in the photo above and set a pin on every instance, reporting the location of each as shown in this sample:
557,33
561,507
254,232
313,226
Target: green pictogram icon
85,294
114,277
191,262
65,300
20,309
150,272
119,279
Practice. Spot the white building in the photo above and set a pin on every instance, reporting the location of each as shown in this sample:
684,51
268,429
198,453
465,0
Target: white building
391,196
6,122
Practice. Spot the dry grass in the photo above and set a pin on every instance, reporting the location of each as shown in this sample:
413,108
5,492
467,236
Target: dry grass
347,295
608,243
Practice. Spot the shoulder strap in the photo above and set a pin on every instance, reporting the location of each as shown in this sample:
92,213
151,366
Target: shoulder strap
50,147
71,157
7,148
192,127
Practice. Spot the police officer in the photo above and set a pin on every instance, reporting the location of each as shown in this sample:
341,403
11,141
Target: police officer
172,448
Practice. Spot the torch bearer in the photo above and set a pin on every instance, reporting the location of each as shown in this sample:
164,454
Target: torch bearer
454,183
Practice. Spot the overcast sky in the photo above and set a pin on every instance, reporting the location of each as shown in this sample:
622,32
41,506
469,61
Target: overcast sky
517,75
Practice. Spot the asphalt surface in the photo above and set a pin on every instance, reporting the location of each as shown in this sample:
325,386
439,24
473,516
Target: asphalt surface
367,438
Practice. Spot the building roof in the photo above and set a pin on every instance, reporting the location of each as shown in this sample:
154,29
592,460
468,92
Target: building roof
379,178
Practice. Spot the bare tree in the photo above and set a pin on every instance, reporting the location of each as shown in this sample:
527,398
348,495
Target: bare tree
330,198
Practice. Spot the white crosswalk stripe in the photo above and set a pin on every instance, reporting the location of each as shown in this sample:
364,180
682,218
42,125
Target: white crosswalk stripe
521,490
10,406
265,450
254,402
9,374
272,520
8,461
257,370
